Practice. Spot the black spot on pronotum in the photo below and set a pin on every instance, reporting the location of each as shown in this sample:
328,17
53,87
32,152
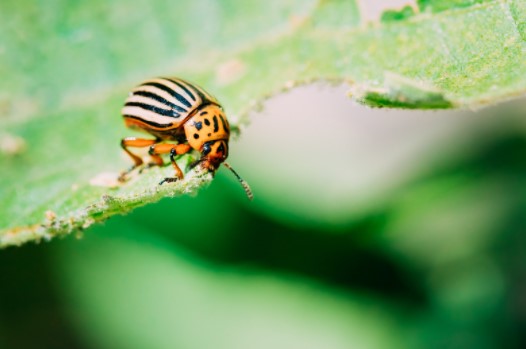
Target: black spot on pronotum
196,136
216,126
209,134
198,125
207,122
223,123
203,113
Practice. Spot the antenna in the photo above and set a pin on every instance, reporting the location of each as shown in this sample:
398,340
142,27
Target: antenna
242,181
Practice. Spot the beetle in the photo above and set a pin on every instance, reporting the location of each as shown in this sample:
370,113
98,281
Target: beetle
174,110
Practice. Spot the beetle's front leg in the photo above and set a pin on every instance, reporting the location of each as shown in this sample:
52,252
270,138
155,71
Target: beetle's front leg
174,150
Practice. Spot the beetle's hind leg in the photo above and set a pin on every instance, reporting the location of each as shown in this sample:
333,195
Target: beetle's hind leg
136,143
174,150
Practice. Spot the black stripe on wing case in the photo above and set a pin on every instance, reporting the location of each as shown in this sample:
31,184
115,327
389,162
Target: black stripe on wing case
160,100
181,85
169,91
201,93
156,110
151,123
179,96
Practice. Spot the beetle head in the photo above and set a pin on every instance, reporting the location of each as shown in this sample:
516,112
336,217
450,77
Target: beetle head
213,154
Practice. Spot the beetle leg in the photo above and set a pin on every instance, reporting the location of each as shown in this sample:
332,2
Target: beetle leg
174,150
138,143
158,149
157,160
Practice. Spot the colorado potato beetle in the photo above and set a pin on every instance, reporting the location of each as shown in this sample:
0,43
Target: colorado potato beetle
172,109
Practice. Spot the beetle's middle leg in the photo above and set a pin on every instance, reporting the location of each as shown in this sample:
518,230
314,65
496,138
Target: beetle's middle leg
173,149
136,143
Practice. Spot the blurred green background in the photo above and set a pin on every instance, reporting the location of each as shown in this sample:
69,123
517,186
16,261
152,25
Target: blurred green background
410,236
369,229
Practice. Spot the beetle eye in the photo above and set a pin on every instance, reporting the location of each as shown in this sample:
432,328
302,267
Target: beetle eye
206,149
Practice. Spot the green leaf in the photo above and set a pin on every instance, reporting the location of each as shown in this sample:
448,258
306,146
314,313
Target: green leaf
392,15
402,92
442,5
65,74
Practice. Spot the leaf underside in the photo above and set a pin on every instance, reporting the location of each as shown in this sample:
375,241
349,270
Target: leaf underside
66,74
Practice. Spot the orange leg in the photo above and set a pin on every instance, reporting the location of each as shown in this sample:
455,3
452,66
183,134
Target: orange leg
138,143
173,149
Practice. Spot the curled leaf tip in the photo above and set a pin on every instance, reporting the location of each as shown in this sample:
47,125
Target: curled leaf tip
399,91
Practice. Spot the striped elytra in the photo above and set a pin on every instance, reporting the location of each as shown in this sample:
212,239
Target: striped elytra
174,110
164,103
